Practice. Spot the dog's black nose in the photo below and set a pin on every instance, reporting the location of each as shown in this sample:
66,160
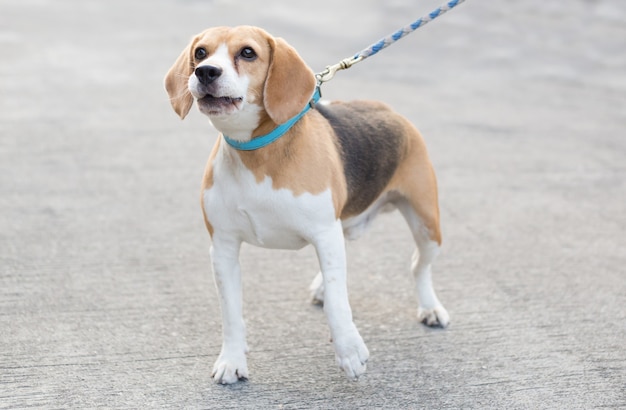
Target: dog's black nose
207,74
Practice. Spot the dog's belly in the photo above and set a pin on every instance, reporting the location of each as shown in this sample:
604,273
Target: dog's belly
263,216
355,226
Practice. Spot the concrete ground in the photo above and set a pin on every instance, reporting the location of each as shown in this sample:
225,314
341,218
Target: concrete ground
106,295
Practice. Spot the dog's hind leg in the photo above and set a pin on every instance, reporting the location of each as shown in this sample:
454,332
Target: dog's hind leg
317,289
426,233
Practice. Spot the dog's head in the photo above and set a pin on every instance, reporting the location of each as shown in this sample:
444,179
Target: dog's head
239,77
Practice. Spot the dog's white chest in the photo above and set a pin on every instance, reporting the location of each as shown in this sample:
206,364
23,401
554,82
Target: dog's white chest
239,206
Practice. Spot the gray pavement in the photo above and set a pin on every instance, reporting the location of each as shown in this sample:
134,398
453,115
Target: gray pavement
106,296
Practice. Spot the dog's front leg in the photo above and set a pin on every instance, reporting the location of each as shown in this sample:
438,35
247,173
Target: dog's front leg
231,365
350,350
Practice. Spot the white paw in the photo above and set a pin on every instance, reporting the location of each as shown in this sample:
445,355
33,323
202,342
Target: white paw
317,290
230,368
351,355
435,317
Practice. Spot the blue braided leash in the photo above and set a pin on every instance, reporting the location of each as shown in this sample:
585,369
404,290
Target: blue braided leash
330,71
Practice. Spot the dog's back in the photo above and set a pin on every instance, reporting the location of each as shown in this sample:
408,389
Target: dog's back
372,140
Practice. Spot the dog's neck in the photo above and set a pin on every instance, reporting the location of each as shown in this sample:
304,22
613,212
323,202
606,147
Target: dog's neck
242,125
248,135
267,131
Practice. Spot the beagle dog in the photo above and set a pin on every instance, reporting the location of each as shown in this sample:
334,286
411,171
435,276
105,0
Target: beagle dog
286,172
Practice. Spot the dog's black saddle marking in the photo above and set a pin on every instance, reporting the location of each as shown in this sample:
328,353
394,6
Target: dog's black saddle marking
370,144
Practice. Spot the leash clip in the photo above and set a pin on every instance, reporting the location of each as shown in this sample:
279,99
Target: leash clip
331,70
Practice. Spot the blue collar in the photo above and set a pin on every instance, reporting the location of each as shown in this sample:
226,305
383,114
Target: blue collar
279,131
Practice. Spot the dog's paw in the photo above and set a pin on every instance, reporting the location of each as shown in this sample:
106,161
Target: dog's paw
351,355
317,290
230,368
435,317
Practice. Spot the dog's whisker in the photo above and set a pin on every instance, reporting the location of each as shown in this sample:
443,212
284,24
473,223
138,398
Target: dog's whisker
184,94
255,94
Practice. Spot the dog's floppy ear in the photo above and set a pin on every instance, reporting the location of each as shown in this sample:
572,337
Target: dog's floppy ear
176,81
289,84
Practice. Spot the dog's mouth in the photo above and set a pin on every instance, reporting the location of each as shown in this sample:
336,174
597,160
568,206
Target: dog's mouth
219,105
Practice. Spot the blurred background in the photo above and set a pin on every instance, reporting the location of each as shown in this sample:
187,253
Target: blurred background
106,295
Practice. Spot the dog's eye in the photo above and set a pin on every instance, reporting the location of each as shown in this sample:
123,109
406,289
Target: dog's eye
200,53
247,53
